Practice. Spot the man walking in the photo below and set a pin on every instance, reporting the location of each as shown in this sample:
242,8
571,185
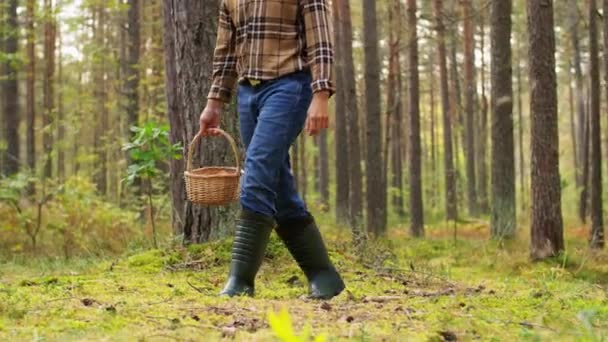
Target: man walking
280,52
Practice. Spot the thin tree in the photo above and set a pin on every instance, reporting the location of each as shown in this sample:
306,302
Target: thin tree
503,149
10,90
451,208
547,223
131,78
352,111
482,146
415,167
395,107
341,135
376,189
469,99
48,89
581,114
596,239
30,101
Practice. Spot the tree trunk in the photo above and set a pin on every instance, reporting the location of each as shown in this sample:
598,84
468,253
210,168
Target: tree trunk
352,115
432,133
451,208
190,28
579,88
341,135
547,224
10,91
376,190
101,97
132,77
49,89
61,119
520,135
596,239
584,194
324,170
571,110
415,167
303,168
31,86
503,149
394,108
482,146
469,99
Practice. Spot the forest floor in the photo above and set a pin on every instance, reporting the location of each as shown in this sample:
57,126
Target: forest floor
401,289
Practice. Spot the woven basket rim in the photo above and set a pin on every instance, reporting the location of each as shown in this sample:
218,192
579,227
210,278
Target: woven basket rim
194,173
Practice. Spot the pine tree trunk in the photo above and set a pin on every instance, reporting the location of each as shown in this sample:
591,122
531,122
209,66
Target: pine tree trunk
571,110
394,109
341,135
596,238
352,115
31,86
482,146
503,149
451,207
132,77
547,223
415,167
432,133
101,97
49,89
376,190
60,122
303,168
323,178
10,92
520,135
469,103
190,28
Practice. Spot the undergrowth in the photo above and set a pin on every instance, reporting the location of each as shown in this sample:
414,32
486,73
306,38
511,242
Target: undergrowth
398,289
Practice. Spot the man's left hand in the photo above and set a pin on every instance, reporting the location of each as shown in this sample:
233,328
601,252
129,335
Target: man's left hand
318,113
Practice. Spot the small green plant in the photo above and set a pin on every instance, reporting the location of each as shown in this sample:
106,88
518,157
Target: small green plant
282,327
149,148
13,190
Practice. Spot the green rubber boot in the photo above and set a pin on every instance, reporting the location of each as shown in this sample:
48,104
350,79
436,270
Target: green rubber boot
304,242
252,233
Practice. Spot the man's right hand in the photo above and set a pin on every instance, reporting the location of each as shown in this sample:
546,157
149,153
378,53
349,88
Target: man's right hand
210,117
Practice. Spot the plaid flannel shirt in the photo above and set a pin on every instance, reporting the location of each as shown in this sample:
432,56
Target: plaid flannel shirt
265,39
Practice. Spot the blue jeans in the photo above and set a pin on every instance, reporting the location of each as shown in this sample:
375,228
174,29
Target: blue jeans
272,115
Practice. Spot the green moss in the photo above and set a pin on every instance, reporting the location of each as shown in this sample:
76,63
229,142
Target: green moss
398,289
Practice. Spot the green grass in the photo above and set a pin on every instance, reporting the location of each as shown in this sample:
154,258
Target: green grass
398,289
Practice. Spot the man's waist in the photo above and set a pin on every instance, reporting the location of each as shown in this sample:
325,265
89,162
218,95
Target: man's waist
256,81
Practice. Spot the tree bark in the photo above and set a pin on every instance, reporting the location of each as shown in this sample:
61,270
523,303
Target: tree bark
394,108
31,86
451,207
190,30
341,135
132,77
469,103
49,89
547,223
10,91
520,135
579,88
376,189
323,179
415,167
352,108
482,146
596,238
503,149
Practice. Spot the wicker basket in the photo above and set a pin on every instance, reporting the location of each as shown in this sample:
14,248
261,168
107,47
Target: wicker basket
213,185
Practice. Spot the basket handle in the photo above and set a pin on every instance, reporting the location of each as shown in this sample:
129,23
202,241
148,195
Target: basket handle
197,138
